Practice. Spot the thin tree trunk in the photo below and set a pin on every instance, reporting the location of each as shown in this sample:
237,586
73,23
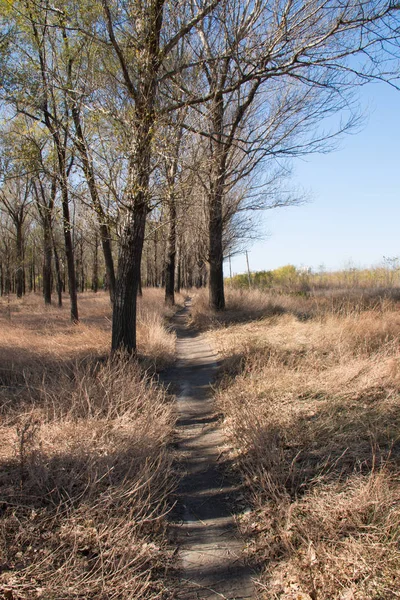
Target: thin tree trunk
171,253
90,179
95,273
47,267
83,278
148,270
60,147
69,250
58,274
178,283
140,291
155,258
34,273
178,259
19,275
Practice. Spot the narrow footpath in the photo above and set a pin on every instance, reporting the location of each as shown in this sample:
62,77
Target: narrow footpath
210,550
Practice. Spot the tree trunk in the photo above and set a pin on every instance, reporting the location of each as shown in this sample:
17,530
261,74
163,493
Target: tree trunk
132,238
108,258
34,274
171,253
124,312
95,273
131,245
20,274
58,273
215,228
140,291
156,258
178,282
148,269
47,268
83,277
102,219
216,281
69,250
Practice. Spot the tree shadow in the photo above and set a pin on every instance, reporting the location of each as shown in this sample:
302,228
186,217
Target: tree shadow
67,515
330,443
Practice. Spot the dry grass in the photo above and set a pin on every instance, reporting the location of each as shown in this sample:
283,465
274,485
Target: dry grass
84,469
311,398
249,305
34,335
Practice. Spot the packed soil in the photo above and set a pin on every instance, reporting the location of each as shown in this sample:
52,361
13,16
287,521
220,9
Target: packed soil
210,550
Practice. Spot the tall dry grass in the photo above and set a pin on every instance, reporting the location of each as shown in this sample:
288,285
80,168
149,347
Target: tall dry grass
85,474
32,332
311,398
244,305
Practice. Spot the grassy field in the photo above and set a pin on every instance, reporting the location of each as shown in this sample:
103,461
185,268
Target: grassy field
310,395
84,469
309,392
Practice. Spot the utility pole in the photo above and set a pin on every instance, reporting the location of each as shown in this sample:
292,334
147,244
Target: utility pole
248,269
230,268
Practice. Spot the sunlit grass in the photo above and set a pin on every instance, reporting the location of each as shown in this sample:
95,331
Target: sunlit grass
311,401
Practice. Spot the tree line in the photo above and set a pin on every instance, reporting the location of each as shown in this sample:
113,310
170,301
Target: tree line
139,138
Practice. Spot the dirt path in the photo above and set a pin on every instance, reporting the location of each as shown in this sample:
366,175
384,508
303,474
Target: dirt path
209,546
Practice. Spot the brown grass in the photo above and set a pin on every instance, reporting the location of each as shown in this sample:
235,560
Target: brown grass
84,470
33,332
249,305
311,401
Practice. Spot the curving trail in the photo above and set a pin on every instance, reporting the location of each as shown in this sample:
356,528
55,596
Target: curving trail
210,554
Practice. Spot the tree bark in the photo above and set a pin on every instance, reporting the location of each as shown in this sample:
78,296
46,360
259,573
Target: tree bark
69,250
58,273
95,272
216,281
127,283
178,283
47,266
144,95
171,253
132,238
19,275
156,273
215,228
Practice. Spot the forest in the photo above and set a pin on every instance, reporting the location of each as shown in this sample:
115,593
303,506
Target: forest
139,140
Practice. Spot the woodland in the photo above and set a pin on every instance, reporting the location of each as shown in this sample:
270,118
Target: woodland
139,140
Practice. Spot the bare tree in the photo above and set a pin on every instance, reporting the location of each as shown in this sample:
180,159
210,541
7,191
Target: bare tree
271,74
40,99
142,44
15,199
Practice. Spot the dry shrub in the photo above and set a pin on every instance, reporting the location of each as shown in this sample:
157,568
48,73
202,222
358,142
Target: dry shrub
313,410
84,483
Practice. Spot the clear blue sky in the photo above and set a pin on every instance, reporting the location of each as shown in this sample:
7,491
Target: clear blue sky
354,211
